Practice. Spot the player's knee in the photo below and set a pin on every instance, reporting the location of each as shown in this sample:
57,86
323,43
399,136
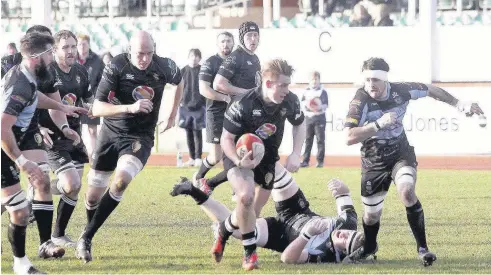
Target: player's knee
246,198
43,185
98,178
120,182
73,185
405,180
372,218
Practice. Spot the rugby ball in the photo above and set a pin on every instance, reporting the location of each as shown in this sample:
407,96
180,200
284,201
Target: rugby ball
250,142
315,104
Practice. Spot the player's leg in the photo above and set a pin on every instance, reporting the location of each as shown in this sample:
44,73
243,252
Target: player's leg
284,185
92,138
261,197
14,201
42,206
374,187
214,126
404,175
309,141
198,147
191,147
320,135
211,160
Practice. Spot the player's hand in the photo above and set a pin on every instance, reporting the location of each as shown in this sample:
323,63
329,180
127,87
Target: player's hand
45,132
88,106
388,119
227,99
141,106
248,162
337,187
469,108
168,124
293,163
33,171
71,134
74,111
315,226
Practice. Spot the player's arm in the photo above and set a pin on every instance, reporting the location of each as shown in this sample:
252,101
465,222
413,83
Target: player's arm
297,119
354,129
222,79
233,126
295,252
58,117
175,101
324,101
206,91
444,96
16,102
53,102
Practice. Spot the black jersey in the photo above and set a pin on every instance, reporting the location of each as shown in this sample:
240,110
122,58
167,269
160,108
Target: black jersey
242,69
208,71
74,88
19,98
94,66
387,144
191,98
251,114
123,83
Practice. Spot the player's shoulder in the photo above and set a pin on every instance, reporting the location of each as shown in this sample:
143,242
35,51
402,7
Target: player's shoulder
120,61
13,59
81,69
214,59
407,86
361,95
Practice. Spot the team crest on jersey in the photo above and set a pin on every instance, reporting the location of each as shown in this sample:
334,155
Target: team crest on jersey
156,76
78,79
268,178
143,92
136,146
69,99
397,98
38,138
266,130
111,97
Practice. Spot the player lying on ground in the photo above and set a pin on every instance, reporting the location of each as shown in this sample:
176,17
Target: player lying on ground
375,119
297,232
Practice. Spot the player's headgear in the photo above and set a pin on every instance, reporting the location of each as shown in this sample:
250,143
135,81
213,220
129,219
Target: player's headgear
246,27
375,68
355,240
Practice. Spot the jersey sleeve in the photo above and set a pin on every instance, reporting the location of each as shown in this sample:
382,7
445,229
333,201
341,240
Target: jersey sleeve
235,118
229,67
173,74
109,82
16,99
357,111
324,98
207,71
416,90
296,117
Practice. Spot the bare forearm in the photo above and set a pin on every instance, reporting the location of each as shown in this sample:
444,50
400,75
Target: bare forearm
359,134
59,118
225,87
441,95
103,109
9,144
44,102
206,91
176,100
228,147
299,134
292,253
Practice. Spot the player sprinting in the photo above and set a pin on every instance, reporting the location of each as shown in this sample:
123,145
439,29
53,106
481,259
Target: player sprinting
66,158
238,73
128,97
216,103
261,111
375,119
20,98
301,235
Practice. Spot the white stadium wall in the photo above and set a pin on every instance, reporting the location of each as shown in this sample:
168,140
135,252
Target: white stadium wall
462,55
432,127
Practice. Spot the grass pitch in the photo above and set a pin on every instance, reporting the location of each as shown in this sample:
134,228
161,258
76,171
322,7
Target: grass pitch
152,232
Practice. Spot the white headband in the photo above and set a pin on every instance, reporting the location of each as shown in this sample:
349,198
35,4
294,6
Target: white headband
378,74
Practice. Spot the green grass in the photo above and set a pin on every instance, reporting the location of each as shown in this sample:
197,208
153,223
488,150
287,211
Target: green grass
152,232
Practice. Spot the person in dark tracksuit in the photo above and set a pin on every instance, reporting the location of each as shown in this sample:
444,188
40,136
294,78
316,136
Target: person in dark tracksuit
192,110
315,102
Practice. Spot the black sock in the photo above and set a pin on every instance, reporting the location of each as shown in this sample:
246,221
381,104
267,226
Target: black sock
416,219
204,168
249,242
227,228
65,210
371,232
217,180
17,239
199,196
43,212
108,203
90,211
